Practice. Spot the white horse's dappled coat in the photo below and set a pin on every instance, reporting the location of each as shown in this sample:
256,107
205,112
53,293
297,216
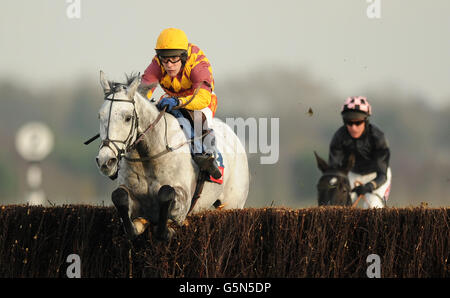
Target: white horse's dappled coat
176,168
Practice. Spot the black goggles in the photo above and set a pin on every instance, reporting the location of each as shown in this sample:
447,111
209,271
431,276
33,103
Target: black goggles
351,123
174,59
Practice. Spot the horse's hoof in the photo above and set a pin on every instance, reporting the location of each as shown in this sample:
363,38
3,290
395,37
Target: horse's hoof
129,229
140,225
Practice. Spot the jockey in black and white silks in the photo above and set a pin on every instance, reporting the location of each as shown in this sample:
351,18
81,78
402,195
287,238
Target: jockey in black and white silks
371,175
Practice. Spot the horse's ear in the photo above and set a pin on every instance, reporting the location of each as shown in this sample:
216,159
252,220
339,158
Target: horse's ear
321,164
104,82
133,87
350,163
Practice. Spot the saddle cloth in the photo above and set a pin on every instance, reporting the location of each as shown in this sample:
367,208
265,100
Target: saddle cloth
219,160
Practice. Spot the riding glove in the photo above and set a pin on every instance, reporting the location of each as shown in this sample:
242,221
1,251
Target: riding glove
363,189
170,102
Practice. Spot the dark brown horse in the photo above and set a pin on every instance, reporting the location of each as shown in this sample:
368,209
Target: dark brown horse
334,187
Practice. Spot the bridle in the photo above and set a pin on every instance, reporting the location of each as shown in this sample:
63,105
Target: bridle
335,173
128,144
133,129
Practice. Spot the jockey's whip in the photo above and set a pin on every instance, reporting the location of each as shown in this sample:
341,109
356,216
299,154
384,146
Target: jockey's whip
92,139
357,201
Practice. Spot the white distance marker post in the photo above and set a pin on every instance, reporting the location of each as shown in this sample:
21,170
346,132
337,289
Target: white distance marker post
34,141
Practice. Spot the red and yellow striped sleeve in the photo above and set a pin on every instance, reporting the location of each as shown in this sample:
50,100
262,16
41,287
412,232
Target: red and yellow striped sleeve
200,74
152,74
201,100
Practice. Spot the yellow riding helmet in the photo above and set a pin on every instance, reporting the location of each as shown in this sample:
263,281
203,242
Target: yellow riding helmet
172,39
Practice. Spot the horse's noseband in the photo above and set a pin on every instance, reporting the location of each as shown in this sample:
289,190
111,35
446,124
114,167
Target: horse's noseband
334,174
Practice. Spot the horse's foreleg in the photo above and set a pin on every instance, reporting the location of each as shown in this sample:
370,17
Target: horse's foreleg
166,198
120,198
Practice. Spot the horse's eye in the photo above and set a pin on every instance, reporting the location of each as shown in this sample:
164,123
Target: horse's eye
128,119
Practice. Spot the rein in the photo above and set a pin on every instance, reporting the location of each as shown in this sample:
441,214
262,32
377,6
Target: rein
153,124
150,127
357,183
140,137
167,150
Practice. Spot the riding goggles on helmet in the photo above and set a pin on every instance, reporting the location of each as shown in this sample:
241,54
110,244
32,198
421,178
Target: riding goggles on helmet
166,60
353,122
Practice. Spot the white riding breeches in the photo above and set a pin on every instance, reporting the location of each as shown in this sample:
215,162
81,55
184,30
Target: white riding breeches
200,126
378,197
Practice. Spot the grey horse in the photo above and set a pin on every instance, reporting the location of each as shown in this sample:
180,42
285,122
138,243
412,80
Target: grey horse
150,156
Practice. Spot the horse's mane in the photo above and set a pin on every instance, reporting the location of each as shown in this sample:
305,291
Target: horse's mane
129,78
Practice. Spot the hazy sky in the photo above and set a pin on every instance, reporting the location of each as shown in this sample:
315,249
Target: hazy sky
335,41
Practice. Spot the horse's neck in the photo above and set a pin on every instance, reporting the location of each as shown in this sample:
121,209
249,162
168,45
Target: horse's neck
154,140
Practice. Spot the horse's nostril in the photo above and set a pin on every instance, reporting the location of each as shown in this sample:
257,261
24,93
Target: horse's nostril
96,160
111,162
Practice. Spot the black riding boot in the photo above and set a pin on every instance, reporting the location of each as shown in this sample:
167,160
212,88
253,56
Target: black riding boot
206,161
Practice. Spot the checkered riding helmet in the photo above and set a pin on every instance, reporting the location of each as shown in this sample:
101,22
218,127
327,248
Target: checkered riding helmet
357,104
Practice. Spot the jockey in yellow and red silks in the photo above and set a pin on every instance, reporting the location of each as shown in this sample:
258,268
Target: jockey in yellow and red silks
184,73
